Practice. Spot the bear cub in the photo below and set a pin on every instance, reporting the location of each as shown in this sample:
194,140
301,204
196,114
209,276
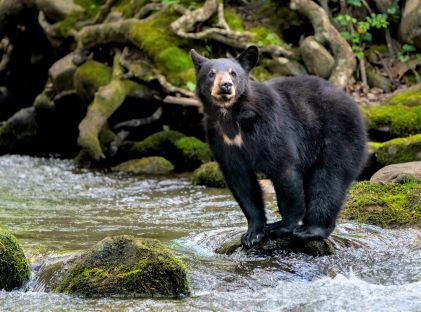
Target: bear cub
303,133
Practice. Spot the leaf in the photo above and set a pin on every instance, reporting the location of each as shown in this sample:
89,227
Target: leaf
408,48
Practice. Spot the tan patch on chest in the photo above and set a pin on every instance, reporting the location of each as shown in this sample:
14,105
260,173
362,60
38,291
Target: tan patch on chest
237,140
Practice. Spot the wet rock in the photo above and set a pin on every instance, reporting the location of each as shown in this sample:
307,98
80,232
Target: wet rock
386,205
269,247
20,133
210,175
376,80
316,57
399,150
126,266
14,268
399,173
186,153
147,165
410,27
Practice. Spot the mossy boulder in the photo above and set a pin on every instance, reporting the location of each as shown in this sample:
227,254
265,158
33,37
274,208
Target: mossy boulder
398,150
186,153
148,165
408,97
399,173
14,268
386,205
126,266
89,77
393,120
210,175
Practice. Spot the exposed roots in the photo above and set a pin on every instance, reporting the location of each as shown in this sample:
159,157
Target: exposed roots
326,33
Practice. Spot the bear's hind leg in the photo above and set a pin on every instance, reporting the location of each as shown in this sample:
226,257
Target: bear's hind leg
290,197
325,191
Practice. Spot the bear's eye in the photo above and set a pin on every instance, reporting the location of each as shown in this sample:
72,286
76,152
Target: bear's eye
211,74
233,74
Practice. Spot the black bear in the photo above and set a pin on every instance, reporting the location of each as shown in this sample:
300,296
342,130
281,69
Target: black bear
303,133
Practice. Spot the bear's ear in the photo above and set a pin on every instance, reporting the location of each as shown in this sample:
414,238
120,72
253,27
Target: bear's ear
248,58
197,59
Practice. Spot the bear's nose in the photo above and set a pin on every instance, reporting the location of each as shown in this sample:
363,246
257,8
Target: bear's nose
226,86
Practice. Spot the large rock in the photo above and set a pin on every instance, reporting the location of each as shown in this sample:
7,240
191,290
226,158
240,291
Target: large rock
286,67
399,150
209,174
14,268
399,173
376,80
408,97
316,57
147,165
410,27
390,121
186,153
126,266
386,205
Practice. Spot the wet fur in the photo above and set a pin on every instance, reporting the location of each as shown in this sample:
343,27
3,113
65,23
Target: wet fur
303,133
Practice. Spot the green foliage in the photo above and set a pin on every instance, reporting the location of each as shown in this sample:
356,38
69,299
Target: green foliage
362,28
386,205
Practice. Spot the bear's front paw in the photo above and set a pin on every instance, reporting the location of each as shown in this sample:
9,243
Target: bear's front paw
252,237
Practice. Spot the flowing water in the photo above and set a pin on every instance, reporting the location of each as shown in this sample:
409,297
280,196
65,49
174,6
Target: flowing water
56,209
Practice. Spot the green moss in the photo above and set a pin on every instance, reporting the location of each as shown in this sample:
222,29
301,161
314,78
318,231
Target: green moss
91,6
408,97
386,205
233,20
160,143
209,174
89,77
125,265
399,150
194,151
160,43
14,268
175,59
262,36
261,73
146,165
402,120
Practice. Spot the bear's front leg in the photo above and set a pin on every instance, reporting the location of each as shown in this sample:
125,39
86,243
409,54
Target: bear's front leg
246,190
289,190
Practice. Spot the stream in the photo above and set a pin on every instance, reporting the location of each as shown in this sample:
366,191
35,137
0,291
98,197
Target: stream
56,209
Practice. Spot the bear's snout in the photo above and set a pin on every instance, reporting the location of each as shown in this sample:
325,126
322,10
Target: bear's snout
225,87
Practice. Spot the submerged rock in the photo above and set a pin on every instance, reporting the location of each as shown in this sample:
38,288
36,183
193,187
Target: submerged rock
399,173
386,205
209,174
125,265
271,246
14,268
146,165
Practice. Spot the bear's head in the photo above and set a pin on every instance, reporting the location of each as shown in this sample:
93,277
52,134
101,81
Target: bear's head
220,82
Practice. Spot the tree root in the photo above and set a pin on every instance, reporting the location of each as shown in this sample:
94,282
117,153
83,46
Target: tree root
326,33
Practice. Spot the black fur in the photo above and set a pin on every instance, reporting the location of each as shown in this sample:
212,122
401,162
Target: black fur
306,135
